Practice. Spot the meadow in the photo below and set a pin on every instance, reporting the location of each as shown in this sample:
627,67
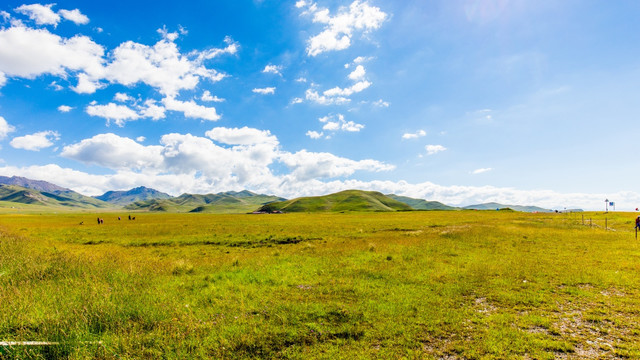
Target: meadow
420,284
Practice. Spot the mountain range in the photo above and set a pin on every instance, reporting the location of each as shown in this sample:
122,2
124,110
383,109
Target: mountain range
44,195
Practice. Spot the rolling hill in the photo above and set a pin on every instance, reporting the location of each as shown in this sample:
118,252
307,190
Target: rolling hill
61,199
420,204
495,206
227,202
123,198
348,200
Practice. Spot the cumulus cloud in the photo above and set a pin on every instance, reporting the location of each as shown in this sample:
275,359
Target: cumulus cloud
41,14
115,152
141,138
5,128
434,149
27,52
480,171
359,17
122,97
36,141
74,15
415,135
206,96
119,114
338,122
314,134
152,110
191,109
273,69
355,88
65,108
381,103
313,96
265,91
241,136
358,73
308,165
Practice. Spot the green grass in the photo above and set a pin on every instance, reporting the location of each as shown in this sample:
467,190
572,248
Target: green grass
464,284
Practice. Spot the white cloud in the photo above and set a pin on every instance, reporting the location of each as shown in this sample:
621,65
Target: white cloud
5,15
355,88
35,142
273,69
480,171
74,15
338,123
206,96
27,53
339,29
55,86
65,108
141,138
241,136
314,134
308,165
41,14
115,152
417,134
361,59
151,110
297,100
3,79
434,149
119,114
358,73
5,128
313,96
381,103
301,79
190,109
122,97
265,91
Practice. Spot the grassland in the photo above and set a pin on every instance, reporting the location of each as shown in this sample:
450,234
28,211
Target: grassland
438,284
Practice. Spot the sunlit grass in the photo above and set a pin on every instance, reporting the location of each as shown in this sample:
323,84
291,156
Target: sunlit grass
467,284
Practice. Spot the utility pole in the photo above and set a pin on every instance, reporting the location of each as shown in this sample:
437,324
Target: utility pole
606,205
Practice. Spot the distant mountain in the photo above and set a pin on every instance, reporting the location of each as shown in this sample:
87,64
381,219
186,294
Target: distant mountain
227,202
496,206
420,204
57,199
123,198
38,185
349,200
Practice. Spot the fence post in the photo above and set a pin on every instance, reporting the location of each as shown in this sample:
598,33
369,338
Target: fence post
605,224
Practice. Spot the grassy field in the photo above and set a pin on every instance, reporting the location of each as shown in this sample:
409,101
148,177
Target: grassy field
437,284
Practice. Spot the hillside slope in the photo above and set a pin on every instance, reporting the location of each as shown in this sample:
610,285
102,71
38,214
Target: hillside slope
495,206
123,198
227,202
60,199
420,204
348,200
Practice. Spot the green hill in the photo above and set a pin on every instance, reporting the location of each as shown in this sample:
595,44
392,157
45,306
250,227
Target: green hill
59,199
497,206
123,198
348,200
227,202
420,204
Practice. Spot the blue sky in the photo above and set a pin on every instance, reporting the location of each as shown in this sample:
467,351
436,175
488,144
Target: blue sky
520,102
